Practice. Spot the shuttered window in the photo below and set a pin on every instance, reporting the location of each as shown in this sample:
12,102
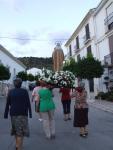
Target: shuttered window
87,32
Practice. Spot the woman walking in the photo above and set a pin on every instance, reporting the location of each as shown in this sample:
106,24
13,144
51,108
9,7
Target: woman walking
34,98
47,108
18,103
66,102
81,110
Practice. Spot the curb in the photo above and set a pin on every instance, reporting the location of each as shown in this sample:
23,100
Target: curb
106,109
2,96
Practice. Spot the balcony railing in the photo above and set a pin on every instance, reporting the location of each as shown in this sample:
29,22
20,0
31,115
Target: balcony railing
108,59
109,21
86,39
76,49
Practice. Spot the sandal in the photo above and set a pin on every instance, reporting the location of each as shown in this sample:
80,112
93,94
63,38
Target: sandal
69,118
82,134
86,133
65,119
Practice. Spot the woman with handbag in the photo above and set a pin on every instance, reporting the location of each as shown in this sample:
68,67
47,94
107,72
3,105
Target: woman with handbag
81,110
34,98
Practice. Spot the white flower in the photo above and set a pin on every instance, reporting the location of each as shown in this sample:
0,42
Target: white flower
61,78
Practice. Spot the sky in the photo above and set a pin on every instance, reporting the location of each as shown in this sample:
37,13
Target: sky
33,27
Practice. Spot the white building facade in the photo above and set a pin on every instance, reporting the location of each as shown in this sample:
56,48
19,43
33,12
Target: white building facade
104,39
7,59
94,34
82,42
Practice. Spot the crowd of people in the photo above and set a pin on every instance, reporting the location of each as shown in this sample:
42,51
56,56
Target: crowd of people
18,105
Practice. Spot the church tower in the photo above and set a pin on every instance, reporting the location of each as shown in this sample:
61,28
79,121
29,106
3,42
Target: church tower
58,57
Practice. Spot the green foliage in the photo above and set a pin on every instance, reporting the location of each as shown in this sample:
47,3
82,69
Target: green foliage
89,55
70,65
22,75
101,95
37,62
86,68
89,68
105,96
30,77
37,77
4,72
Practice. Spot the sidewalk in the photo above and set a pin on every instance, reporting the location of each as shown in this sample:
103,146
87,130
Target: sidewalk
102,104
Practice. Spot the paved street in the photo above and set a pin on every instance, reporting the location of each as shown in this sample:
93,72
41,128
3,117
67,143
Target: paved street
67,137
103,105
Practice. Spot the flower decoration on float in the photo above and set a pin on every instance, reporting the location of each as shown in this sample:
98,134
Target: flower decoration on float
58,79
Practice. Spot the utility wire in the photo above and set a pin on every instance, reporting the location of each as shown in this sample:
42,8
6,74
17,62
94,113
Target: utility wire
30,39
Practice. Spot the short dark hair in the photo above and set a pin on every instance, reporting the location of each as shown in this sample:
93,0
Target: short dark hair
37,83
43,83
17,82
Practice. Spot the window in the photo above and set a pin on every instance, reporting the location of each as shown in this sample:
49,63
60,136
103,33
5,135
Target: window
110,26
70,50
77,42
89,49
87,32
78,57
109,18
111,48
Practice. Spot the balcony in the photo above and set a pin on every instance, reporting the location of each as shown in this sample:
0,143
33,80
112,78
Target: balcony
87,39
108,59
76,49
109,22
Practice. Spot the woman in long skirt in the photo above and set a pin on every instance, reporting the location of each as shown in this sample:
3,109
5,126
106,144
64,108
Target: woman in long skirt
80,110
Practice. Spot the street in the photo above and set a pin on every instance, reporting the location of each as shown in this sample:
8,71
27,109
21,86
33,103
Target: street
67,137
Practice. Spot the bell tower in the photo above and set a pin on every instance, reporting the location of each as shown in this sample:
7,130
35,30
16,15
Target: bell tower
58,57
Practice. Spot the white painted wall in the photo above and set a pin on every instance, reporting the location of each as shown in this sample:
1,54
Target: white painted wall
13,65
103,48
83,48
101,41
99,20
81,34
